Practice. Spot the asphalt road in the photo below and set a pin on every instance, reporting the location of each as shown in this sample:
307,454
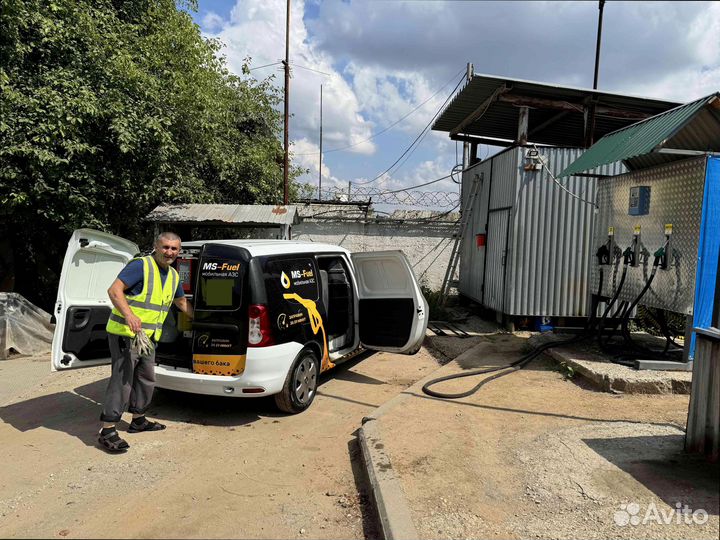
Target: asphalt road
224,468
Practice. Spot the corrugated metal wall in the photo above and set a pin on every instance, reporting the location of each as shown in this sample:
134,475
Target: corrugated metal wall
472,259
499,178
538,237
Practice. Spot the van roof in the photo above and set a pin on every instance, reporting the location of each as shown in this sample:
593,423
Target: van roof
272,247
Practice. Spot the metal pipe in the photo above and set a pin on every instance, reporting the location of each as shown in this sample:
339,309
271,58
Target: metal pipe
601,4
320,169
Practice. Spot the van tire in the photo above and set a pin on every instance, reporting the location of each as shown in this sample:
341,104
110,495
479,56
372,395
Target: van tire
300,384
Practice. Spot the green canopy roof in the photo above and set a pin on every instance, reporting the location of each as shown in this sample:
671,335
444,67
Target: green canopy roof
670,135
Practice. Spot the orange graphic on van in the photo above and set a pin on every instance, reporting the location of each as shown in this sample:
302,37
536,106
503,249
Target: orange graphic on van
284,280
316,324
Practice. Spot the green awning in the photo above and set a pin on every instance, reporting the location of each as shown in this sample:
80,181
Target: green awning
666,134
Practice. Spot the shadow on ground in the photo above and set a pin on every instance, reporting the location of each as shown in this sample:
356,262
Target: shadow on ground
77,413
370,520
659,463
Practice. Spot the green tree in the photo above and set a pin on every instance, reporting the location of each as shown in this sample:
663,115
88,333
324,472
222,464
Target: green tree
109,108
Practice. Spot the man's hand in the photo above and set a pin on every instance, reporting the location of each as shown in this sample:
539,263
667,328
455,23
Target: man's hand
116,292
184,305
134,323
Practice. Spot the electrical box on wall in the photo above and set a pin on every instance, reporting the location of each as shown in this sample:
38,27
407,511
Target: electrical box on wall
639,201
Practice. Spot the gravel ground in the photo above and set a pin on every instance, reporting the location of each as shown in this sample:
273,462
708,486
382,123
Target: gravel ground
534,455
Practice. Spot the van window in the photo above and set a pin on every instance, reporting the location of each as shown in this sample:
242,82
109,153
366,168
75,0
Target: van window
219,286
294,276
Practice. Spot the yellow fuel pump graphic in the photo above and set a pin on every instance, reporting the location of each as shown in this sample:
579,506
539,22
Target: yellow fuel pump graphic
315,322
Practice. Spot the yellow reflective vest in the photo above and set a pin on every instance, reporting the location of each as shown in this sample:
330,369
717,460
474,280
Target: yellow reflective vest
151,305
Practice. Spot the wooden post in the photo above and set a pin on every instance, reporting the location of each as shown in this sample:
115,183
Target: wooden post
286,133
467,158
522,136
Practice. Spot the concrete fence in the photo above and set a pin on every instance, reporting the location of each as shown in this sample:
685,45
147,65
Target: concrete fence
425,237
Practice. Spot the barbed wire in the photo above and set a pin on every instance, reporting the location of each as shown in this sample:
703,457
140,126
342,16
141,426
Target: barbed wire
439,199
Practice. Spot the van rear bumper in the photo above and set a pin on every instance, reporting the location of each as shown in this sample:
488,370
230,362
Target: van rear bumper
265,367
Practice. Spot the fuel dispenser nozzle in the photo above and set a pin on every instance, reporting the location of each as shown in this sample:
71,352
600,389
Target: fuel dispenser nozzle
603,255
665,260
660,257
629,256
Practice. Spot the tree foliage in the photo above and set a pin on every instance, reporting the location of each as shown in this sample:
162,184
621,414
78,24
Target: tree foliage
109,108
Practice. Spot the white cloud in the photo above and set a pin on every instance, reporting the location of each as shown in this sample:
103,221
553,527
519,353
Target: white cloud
257,29
385,58
212,22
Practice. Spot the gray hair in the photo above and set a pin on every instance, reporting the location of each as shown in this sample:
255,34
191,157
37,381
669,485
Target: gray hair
167,235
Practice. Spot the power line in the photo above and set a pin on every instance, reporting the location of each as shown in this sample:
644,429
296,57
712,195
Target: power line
421,135
310,69
266,65
387,127
418,185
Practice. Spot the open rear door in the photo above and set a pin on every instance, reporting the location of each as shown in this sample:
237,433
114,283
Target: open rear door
92,262
392,310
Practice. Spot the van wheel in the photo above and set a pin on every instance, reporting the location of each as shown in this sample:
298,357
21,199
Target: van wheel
300,385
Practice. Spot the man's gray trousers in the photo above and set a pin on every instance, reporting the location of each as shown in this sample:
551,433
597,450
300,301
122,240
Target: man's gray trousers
132,380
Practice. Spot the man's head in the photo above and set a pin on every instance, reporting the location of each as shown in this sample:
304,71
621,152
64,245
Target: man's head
167,247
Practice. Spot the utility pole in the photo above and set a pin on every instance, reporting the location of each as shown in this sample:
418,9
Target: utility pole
287,104
320,169
590,111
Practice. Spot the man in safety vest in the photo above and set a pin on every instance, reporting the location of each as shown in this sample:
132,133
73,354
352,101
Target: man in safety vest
141,296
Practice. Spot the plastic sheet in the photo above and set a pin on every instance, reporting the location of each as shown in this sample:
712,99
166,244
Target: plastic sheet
24,328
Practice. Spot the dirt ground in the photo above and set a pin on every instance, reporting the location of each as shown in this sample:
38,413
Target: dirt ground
532,455
224,468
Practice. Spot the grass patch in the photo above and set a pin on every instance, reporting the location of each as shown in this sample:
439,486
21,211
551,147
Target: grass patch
438,312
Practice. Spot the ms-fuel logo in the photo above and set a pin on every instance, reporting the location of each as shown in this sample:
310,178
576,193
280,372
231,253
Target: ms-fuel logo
221,267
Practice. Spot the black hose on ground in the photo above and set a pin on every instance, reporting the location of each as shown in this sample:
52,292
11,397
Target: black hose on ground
506,370
518,364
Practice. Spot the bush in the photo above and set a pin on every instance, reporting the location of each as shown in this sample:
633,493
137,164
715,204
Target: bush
438,312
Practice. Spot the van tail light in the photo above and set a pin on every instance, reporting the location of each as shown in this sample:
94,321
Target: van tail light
259,332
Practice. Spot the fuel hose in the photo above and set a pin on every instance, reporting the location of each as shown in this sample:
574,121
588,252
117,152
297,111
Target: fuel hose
501,371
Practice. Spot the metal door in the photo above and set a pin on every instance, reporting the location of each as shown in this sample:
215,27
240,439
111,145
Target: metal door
496,253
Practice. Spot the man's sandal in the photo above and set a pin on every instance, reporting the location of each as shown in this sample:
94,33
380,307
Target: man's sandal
112,442
145,425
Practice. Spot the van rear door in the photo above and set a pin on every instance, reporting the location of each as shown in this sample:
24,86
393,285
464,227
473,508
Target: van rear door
92,262
392,310
220,326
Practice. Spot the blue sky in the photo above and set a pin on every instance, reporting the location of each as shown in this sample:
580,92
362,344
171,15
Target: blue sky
382,59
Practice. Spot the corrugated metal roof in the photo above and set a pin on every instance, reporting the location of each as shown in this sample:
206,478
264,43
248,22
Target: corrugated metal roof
694,126
546,125
249,214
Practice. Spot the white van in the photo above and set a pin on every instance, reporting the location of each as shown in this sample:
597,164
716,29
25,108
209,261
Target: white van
270,315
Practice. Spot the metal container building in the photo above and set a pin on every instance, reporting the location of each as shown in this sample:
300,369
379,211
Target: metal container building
527,248
526,251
